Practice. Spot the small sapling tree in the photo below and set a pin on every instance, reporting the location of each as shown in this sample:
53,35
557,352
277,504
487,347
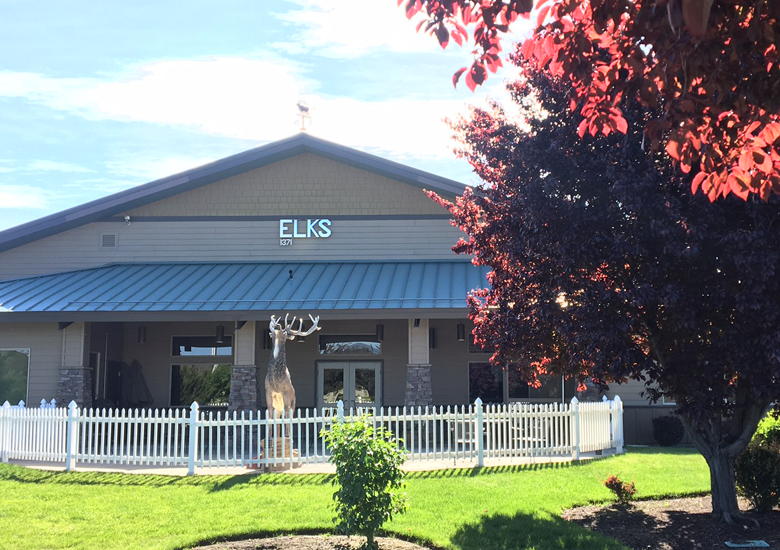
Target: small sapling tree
370,481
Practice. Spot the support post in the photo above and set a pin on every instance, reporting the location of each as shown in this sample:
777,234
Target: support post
478,428
72,436
617,422
575,428
194,410
5,428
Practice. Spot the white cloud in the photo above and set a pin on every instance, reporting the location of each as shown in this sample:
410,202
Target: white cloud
48,165
22,196
244,98
352,28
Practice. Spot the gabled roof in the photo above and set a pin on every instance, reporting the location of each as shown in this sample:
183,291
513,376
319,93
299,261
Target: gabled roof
215,171
241,289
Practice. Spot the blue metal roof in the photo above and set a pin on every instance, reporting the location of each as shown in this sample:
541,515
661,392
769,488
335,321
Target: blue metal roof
249,287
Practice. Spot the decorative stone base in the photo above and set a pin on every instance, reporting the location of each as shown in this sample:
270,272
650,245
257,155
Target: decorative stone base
418,386
244,384
75,384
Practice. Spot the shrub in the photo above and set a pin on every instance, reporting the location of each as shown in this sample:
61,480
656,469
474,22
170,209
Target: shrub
757,472
768,431
369,477
668,430
624,491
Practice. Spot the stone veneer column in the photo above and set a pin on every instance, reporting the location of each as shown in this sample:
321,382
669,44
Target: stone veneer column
244,394
418,386
244,376
418,371
75,377
75,384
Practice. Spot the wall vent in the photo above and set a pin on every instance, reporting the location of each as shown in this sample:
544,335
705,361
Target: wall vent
108,240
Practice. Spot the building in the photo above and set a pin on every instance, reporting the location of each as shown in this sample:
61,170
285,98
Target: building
162,294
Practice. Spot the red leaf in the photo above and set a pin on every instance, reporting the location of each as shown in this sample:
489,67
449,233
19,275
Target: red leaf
673,149
622,125
542,15
443,36
697,180
582,127
696,13
457,76
771,132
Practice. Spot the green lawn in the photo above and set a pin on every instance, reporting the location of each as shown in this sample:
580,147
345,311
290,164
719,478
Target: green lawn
491,509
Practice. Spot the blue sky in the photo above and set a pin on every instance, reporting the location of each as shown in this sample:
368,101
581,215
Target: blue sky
99,96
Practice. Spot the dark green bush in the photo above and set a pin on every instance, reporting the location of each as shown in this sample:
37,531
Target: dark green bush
668,430
368,474
757,472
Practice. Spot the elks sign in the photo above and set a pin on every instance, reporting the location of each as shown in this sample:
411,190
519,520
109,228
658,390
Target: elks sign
304,229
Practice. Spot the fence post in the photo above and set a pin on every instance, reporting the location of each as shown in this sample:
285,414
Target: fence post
194,410
340,410
575,428
478,433
72,436
5,422
617,422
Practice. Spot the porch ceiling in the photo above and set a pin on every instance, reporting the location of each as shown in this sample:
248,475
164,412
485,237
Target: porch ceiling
166,288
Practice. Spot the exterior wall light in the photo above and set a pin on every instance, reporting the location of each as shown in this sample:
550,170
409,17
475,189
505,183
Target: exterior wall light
266,340
220,334
461,332
380,332
142,334
432,338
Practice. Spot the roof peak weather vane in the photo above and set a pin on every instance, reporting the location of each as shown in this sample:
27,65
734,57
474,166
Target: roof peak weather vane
303,113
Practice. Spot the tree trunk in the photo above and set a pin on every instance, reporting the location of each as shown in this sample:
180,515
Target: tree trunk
724,491
720,440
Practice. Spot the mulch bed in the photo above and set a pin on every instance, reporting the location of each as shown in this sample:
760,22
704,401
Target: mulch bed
311,542
674,524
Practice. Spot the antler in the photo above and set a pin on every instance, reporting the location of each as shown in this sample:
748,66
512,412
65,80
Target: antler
289,327
291,331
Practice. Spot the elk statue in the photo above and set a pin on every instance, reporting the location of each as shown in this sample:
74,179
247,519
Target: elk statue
279,391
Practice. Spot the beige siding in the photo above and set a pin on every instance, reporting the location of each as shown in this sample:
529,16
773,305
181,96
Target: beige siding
450,363
303,185
74,345
45,344
249,241
418,343
244,344
629,393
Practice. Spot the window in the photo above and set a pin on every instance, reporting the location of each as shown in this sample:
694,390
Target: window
209,385
205,346
201,370
14,370
486,382
350,344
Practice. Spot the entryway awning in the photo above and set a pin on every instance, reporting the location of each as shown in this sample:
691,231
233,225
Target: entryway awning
245,287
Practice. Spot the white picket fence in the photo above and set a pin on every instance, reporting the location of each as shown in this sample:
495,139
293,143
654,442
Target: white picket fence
176,437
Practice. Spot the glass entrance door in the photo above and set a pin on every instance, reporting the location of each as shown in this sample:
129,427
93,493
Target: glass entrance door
357,383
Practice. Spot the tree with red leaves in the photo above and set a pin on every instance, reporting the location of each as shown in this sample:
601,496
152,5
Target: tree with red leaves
606,267
707,68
